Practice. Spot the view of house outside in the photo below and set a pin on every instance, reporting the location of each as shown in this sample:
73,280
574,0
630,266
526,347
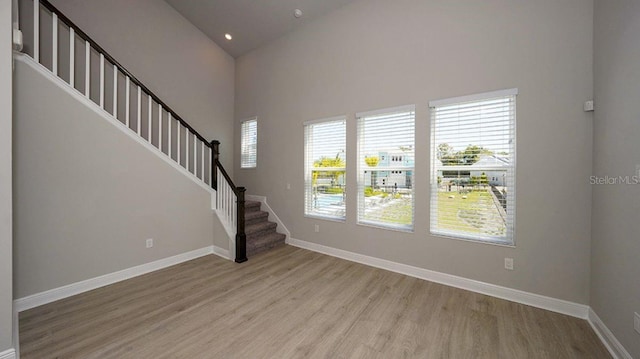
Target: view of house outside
472,197
325,168
473,169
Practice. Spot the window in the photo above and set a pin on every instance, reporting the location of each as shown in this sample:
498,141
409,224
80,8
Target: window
473,167
249,143
385,168
325,168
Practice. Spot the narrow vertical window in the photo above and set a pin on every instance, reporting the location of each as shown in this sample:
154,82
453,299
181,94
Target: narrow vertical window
473,167
325,168
249,143
385,168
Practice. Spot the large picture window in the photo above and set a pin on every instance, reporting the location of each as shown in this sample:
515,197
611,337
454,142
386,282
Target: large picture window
385,168
249,143
473,167
325,168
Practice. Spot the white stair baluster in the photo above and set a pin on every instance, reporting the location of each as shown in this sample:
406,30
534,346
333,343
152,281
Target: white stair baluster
36,30
186,149
127,100
178,143
169,133
139,111
87,69
160,127
115,91
72,57
202,161
149,120
102,81
195,156
54,47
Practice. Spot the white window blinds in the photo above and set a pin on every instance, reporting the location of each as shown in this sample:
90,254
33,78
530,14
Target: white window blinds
249,143
325,168
473,167
385,167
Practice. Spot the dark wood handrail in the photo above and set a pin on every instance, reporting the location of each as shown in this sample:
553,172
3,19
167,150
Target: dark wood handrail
122,69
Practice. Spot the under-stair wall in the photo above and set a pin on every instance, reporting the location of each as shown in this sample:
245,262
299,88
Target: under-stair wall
87,195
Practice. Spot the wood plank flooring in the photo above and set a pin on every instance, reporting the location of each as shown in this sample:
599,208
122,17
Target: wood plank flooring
293,303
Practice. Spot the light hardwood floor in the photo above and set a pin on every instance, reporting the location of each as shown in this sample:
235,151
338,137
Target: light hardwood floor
293,303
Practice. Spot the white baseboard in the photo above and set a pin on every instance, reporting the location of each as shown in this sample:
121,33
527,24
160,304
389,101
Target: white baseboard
535,300
221,252
8,354
273,217
66,291
615,348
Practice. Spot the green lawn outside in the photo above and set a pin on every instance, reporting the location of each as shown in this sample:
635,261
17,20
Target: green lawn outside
467,214
397,211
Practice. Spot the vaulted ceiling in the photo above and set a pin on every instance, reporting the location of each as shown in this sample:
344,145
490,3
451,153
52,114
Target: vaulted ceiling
252,23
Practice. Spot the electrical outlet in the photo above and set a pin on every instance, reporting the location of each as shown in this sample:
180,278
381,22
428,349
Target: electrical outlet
636,322
149,242
317,228
288,185
508,263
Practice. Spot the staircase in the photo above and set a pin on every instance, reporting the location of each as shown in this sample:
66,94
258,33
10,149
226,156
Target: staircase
261,234
146,118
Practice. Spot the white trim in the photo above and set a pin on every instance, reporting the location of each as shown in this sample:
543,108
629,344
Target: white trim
8,354
514,295
66,291
221,252
474,97
612,344
385,111
273,217
323,120
107,116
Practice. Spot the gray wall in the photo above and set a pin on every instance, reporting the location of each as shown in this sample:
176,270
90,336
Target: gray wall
376,54
615,272
6,306
169,55
86,196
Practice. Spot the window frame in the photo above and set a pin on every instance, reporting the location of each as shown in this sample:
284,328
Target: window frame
510,237
308,171
243,145
362,169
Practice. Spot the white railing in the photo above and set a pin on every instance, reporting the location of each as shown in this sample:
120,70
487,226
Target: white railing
226,203
192,152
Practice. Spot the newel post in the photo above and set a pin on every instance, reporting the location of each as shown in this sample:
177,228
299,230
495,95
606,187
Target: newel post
215,151
241,237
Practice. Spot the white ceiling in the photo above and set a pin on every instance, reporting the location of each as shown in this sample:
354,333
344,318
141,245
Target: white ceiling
252,23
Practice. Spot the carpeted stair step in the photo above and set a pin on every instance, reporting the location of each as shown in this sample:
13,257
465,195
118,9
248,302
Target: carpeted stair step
261,234
251,206
259,229
255,217
264,242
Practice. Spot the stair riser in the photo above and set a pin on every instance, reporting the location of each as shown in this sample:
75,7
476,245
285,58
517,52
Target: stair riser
254,251
256,220
257,235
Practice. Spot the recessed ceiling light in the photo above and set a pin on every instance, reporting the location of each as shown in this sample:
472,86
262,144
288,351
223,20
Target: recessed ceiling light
228,36
297,13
